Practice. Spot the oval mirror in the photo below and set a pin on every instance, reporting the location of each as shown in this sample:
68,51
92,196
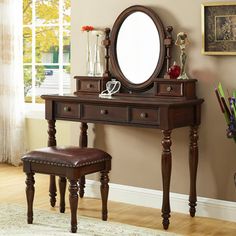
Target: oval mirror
137,47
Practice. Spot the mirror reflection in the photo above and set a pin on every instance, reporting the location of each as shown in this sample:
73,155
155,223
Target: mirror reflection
138,47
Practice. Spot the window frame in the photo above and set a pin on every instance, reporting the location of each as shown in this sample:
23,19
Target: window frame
33,106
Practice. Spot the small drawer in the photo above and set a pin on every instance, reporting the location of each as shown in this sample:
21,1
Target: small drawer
105,113
175,90
91,85
67,110
145,116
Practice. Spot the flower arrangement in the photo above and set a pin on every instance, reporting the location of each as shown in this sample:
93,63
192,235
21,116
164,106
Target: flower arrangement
228,108
93,68
87,28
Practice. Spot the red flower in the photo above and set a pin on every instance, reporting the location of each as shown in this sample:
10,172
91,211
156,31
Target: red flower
87,28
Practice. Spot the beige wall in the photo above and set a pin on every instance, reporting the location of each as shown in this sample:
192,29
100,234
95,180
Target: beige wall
136,151
36,133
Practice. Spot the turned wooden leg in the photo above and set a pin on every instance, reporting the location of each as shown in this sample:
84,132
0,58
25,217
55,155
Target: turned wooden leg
83,142
81,186
193,163
52,142
73,197
104,192
30,196
52,190
62,189
166,174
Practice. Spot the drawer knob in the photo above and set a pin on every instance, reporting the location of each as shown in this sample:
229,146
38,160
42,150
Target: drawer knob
104,112
89,86
143,115
169,88
66,108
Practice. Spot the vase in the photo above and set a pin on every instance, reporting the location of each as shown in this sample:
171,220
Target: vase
89,62
97,66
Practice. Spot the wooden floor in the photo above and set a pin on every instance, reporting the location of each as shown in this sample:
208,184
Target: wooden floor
12,182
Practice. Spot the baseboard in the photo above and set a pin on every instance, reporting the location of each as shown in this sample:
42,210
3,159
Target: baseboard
206,207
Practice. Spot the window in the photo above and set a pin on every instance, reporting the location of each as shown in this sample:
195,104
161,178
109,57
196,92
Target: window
46,48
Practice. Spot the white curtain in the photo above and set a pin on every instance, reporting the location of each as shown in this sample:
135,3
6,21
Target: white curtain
11,82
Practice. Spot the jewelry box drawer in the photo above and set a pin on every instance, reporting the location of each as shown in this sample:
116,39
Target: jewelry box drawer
105,113
89,86
166,89
145,116
67,110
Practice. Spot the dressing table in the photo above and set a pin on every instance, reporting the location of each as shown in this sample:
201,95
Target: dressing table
147,97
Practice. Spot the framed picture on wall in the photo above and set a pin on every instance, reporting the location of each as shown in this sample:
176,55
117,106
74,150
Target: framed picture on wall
219,28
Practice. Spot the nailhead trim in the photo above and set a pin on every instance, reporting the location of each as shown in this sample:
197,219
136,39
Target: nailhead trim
64,165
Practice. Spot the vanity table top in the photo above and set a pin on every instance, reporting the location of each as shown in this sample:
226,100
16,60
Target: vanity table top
142,111
128,100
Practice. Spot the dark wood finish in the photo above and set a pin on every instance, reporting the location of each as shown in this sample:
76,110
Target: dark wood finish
52,142
104,113
177,89
158,103
62,189
166,174
30,196
83,142
106,42
145,116
193,164
123,110
73,197
114,34
32,165
168,44
90,84
52,190
104,193
165,114
52,132
67,110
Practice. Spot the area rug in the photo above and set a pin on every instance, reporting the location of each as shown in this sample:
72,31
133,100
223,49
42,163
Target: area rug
46,223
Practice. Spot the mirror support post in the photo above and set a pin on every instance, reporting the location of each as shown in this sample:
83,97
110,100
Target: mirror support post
168,44
107,43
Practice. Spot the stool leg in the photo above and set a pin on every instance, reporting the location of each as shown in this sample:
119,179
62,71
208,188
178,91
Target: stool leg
73,197
30,196
62,189
104,192
52,190
81,186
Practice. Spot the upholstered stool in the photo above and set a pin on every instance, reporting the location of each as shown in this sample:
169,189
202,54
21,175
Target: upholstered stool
70,163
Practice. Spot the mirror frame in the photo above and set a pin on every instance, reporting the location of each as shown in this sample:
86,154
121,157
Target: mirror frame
113,54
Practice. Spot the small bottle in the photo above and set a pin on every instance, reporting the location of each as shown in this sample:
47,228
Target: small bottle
174,71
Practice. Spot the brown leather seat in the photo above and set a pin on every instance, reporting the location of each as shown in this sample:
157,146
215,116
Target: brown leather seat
68,163
66,156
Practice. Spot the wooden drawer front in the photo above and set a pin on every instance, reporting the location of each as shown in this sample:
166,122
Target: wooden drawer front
175,90
145,116
106,113
67,110
89,86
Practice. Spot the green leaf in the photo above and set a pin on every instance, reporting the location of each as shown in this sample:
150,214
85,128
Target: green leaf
221,91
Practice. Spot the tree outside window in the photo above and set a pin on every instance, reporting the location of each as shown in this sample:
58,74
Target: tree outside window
46,47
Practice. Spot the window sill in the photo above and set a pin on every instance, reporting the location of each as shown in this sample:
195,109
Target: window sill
35,111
